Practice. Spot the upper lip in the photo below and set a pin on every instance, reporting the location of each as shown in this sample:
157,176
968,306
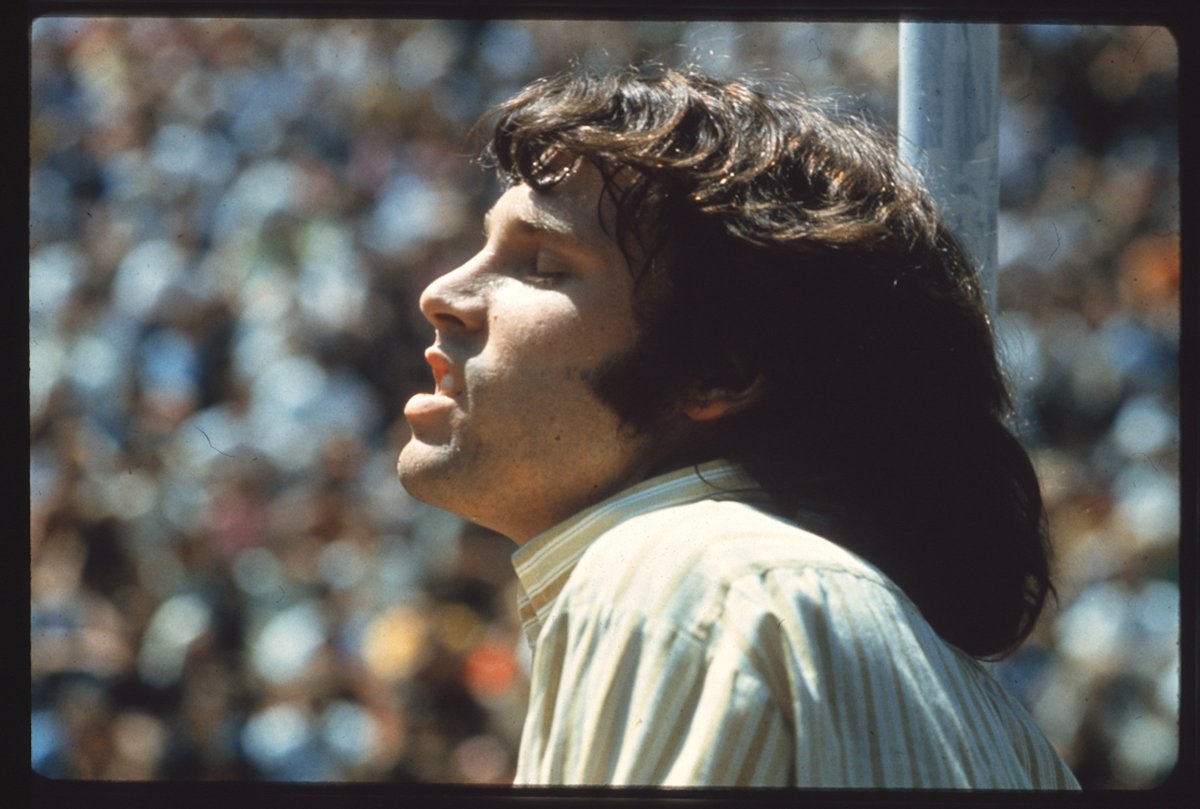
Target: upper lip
446,377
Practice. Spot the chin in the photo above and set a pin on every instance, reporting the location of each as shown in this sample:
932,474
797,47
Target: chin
432,473
417,469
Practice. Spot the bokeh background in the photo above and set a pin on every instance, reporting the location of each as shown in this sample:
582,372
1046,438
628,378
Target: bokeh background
230,221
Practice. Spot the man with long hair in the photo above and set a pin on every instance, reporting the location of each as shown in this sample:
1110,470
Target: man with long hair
723,374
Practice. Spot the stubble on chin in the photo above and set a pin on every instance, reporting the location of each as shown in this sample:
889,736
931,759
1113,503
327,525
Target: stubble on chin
426,472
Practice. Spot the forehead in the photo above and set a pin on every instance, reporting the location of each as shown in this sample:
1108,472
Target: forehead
575,212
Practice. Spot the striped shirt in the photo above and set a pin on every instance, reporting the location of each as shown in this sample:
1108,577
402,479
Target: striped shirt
683,636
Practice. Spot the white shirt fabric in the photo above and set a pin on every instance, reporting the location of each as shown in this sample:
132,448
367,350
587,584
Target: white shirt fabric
683,636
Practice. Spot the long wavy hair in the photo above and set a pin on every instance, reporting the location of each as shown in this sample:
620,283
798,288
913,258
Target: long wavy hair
773,239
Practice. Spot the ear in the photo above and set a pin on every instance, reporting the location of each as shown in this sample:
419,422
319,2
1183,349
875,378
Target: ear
714,403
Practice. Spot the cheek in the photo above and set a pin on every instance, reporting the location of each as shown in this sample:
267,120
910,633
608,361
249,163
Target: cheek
549,344
562,335
545,386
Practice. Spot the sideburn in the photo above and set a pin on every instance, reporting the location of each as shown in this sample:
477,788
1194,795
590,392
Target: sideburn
630,384
645,386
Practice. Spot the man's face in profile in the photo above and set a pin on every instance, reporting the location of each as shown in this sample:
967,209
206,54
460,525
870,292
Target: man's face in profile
513,437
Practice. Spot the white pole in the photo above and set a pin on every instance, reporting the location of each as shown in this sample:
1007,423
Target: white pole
949,115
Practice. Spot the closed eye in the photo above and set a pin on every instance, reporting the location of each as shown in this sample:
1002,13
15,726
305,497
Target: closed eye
546,270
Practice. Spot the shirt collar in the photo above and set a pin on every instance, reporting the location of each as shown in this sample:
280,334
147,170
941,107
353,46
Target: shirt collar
544,563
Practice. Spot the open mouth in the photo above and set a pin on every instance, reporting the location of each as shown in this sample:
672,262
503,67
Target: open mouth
446,382
424,410
446,385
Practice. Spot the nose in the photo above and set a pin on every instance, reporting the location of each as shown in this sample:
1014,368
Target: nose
454,302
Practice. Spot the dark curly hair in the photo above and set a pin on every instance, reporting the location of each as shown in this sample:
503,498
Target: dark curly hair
771,239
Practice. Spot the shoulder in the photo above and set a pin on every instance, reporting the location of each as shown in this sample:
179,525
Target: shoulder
689,565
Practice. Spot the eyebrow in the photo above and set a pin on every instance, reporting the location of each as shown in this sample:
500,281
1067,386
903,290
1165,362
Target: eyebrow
537,222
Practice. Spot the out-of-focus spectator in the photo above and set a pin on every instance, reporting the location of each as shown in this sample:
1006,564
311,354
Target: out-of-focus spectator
230,223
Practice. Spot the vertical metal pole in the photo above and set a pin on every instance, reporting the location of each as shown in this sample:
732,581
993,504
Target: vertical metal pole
949,115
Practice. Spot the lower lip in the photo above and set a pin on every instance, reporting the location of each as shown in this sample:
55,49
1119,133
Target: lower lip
424,404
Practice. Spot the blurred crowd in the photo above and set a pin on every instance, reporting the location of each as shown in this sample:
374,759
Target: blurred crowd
230,221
